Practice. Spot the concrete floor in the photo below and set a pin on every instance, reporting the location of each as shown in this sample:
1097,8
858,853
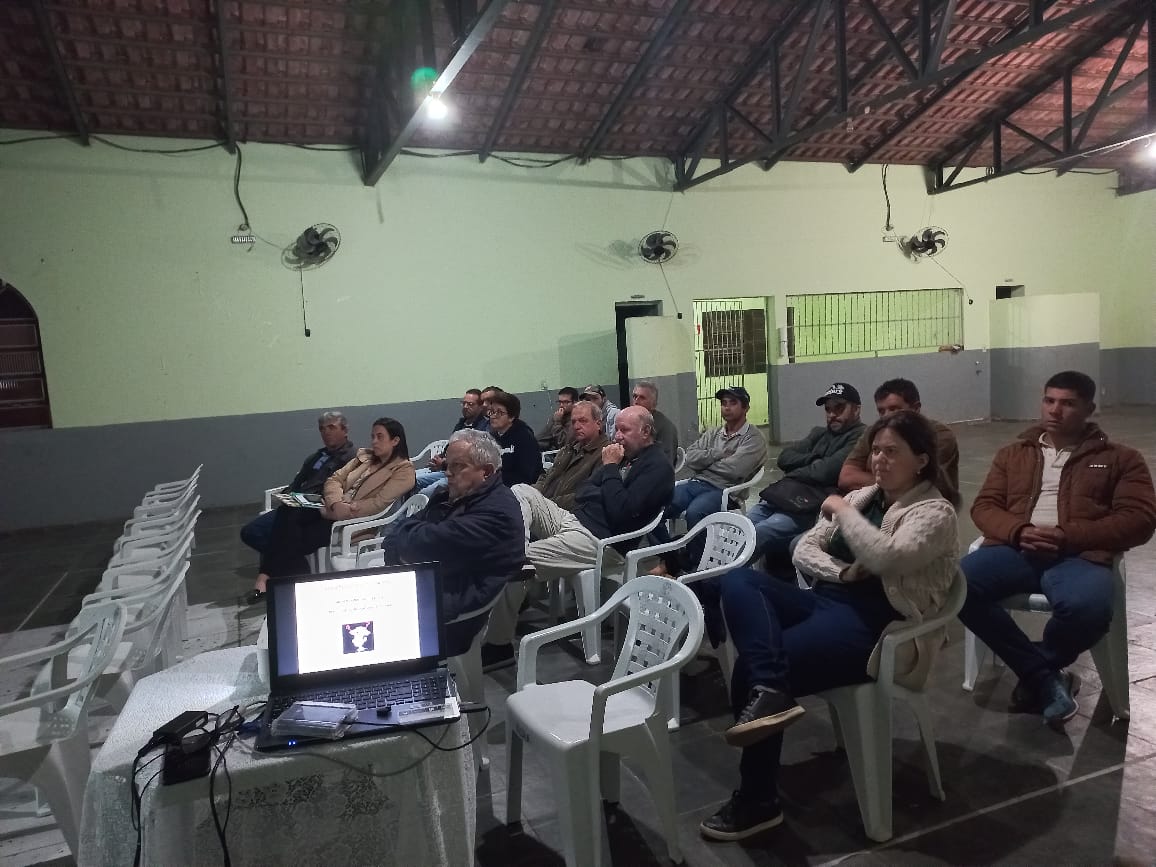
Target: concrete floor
1017,792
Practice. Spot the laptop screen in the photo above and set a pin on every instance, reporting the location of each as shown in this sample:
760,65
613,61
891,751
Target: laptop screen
345,620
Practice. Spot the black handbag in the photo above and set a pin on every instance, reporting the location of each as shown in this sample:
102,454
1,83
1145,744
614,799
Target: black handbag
794,496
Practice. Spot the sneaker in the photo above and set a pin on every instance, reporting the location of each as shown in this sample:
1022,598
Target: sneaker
740,818
253,597
1057,698
767,712
1024,699
497,656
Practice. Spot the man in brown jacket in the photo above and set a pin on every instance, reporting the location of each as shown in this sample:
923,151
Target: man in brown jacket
575,461
1057,506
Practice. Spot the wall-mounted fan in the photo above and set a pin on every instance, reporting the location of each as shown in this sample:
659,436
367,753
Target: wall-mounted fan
658,247
313,247
926,242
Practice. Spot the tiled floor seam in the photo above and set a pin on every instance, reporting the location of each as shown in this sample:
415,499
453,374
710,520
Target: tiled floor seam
983,811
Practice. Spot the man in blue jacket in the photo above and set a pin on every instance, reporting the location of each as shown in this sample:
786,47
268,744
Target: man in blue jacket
335,452
472,528
634,483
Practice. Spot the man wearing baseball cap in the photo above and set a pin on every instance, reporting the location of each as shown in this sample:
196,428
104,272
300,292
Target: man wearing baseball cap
597,396
723,456
810,468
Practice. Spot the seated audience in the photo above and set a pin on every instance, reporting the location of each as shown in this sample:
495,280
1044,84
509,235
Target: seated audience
472,528
370,483
645,395
722,457
472,417
575,461
335,452
556,432
1057,506
521,457
885,554
810,468
596,394
892,396
634,482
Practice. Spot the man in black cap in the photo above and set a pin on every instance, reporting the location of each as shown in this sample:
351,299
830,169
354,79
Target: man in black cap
810,468
723,456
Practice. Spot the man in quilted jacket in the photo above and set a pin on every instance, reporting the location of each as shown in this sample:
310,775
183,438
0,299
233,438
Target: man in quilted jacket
1058,506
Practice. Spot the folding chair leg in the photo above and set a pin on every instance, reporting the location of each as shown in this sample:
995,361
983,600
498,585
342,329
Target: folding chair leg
927,735
974,652
586,595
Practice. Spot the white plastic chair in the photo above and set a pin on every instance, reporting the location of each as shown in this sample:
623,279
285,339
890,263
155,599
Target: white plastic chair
730,543
172,490
588,589
548,458
270,493
583,729
740,492
861,716
679,460
151,510
432,450
1110,653
167,525
345,557
467,670
44,737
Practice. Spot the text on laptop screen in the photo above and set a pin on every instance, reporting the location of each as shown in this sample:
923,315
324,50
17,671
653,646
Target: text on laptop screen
355,620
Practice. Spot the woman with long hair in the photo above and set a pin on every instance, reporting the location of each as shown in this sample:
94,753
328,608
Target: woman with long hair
376,478
883,554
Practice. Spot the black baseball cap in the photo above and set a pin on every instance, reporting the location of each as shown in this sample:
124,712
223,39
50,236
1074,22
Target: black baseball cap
840,391
737,392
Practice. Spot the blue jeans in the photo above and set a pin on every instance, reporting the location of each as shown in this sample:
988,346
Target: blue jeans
774,530
429,481
1079,592
256,533
799,642
696,498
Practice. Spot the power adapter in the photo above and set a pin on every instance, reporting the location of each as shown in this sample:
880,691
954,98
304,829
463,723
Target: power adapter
188,758
174,731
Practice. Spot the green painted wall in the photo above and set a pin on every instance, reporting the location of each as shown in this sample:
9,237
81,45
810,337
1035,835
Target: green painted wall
455,274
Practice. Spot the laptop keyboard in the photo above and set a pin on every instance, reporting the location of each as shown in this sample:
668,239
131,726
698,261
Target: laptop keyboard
417,689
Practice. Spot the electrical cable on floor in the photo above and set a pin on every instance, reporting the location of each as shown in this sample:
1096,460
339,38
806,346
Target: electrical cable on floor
887,227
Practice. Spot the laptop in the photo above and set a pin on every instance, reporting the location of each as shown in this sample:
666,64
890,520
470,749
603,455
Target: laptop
371,637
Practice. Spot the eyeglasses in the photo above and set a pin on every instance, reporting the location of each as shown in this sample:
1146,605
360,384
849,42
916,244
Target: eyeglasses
495,410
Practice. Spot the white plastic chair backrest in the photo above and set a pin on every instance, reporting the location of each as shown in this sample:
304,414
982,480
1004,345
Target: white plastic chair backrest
730,542
65,703
153,526
740,491
976,545
665,622
432,450
410,507
144,559
548,458
679,459
368,547
956,595
149,613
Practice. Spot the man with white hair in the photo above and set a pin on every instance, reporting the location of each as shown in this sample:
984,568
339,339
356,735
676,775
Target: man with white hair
645,395
335,452
633,484
472,528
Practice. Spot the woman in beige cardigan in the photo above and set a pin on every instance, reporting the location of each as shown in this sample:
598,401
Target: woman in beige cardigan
370,483
884,554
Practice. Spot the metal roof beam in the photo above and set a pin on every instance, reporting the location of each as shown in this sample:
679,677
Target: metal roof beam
893,44
224,80
935,98
833,119
1130,136
1109,83
375,166
514,86
653,50
1070,62
63,82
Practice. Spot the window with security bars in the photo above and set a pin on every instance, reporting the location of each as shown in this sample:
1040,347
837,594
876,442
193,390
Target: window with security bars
835,325
23,387
734,342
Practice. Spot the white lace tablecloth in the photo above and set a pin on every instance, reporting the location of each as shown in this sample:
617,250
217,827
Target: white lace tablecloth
300,807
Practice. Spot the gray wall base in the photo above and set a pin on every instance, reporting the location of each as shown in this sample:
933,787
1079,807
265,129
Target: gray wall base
1128,376
1018,375
73,475
952,387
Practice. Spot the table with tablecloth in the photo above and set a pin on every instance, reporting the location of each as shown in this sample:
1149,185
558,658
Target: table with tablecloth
386,799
